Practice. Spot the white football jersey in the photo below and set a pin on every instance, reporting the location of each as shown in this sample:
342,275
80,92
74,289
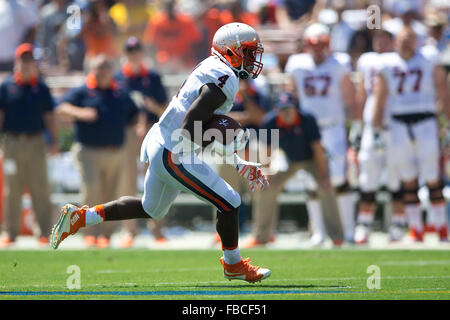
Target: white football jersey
368,66
210,70
318,86
410,83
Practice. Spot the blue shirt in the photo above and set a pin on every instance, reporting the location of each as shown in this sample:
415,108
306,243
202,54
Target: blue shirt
24,105
148,82
114,108
295,140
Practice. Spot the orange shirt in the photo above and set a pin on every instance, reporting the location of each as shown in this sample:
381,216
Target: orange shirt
172,38
98,40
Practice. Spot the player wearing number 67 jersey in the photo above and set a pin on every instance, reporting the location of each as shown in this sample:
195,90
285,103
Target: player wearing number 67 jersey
324,89
414,86
210,89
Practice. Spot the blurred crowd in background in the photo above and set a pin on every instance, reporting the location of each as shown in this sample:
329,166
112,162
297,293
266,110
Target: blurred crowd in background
177,34
173,36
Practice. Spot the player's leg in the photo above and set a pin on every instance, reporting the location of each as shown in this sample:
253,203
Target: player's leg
394,185
191,174
336,144
370,168
156,201
328,205
402,153
428,158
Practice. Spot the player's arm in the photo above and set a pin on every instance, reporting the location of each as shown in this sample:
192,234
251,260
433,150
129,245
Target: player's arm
380,92
202,109
349,96
76,113
361,95
440,83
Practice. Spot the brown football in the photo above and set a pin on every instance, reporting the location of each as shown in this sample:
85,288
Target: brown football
225,131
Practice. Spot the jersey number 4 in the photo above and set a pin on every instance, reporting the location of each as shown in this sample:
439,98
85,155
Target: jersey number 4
222,80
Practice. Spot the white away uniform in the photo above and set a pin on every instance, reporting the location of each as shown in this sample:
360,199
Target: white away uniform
319,92
374,163
170,172
413,126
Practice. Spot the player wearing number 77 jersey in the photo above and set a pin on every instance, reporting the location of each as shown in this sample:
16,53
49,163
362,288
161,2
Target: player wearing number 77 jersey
414,86
210,89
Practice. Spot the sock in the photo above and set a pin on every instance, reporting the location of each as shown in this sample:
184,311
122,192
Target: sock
232,256
366,217
316,218
95,215
414,215
439,215
346,204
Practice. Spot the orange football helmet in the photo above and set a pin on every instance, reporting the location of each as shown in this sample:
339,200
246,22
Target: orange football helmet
239,46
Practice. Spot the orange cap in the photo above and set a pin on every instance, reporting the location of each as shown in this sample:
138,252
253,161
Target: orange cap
23,48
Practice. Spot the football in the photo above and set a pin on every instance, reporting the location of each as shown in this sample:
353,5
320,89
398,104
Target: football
226,129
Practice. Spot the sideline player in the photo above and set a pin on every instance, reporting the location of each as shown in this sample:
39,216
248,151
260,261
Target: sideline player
416,89
210,89
373,161
324,88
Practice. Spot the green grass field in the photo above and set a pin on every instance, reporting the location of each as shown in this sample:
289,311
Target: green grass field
197,274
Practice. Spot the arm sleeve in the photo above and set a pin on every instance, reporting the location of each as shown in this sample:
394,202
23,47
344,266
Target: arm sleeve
48,103
290,65
160,90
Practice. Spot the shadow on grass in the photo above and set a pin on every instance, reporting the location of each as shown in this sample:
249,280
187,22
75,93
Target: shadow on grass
267,286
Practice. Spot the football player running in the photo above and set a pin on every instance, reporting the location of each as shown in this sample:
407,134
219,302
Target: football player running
324,89
415,87
373,160
210,89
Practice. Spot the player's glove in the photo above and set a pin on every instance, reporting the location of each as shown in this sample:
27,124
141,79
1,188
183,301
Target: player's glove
378,141
252,172
355,134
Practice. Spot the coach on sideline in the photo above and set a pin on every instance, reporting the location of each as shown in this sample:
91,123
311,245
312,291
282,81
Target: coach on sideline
101,111
26,111
299,138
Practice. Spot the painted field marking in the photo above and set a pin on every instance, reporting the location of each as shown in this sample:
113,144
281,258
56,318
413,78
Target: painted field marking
172,292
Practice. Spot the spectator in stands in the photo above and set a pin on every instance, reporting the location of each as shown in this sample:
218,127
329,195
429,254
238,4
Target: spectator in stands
131,18
299,138
290,12
239,14
173,38
54,16
341,33
99,31
438,36
26,112
18,24
100,110
149,95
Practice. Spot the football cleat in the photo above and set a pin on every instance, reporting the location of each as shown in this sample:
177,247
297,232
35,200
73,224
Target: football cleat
243,270
415,235
72,218
443,234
